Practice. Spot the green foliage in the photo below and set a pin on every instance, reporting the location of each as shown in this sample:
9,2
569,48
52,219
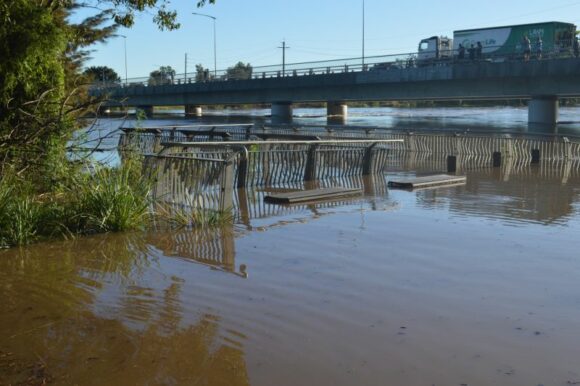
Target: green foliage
165,75
42,51
102,74
240,71
201,74
31,75
106,200
112,199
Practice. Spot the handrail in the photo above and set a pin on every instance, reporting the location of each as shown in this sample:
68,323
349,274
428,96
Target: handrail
145,128
250,143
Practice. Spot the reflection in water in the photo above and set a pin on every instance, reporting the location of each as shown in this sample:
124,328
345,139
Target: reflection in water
428,293
518,193
213,247
85,313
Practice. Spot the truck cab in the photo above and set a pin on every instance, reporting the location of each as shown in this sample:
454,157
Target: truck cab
434,49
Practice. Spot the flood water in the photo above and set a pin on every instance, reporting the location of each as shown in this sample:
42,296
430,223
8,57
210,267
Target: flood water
467,285
105,133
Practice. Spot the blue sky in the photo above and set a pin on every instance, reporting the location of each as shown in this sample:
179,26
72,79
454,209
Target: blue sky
251,30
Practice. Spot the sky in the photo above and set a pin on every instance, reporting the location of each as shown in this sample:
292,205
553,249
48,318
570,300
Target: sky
252,30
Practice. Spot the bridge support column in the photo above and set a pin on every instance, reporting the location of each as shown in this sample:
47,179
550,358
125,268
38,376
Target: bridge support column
337,112
282,111
543,110
336,109
193,110
148,110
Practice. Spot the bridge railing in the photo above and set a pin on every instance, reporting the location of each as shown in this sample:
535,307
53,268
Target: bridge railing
403,61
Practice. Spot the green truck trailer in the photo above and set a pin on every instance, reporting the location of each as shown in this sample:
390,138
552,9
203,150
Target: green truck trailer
501,43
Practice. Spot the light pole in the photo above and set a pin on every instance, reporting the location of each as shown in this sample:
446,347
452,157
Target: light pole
363,35
125,45
214,42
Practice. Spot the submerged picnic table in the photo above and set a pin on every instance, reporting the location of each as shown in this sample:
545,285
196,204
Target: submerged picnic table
426,181
311,195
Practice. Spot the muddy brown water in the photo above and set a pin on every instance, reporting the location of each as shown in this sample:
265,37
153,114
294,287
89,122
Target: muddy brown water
470,285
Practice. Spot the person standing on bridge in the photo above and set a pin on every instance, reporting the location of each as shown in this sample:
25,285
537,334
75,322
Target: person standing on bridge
539,48
471,52
461,52
479,51
527,48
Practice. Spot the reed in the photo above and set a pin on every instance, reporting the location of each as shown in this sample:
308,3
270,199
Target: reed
104,200
111,200
191,216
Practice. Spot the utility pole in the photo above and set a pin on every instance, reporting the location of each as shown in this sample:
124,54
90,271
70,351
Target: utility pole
185,74
284,48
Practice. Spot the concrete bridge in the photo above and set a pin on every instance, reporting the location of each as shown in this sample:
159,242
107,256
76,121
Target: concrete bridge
544,82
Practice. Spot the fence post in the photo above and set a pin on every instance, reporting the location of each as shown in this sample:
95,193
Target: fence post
243,168
157,142
310,170
567,148
411,141
368,159
226,201
496,159
451,163
458,145
535,156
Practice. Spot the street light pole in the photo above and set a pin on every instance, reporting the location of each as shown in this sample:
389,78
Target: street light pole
214,41
125,45
363,35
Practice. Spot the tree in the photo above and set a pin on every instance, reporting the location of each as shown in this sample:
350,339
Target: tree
123,12
239,71
201,73
42,52
102,74
165,75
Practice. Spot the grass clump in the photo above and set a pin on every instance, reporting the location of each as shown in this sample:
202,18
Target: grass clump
93,200
103,200
111,200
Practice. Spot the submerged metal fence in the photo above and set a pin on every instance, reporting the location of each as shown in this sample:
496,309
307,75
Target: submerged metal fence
517,145
205,174
201,166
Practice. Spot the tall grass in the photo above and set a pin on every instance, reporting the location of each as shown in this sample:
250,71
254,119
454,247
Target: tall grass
111,200
95,201
105,200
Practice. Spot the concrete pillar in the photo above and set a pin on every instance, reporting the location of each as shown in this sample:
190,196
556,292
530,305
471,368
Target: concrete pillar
543,110
148,110
193,110
336,109
282,111
336,113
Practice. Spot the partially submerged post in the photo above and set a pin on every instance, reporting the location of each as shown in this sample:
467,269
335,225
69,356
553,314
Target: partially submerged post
535,156
451,164
226,186
310,169
496,159
368,160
